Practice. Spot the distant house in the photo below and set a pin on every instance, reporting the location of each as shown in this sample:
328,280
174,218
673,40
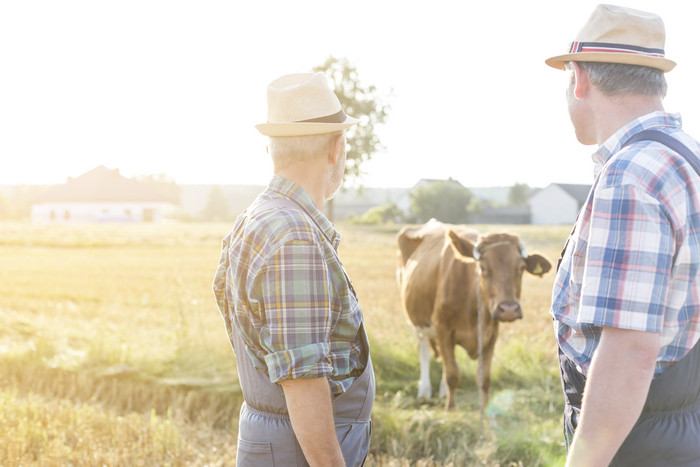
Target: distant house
102,195
557,204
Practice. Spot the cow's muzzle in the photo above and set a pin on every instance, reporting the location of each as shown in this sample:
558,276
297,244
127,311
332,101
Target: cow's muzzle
508,311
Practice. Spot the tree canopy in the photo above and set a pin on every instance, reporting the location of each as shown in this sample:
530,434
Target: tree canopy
359,101
519,194
445,201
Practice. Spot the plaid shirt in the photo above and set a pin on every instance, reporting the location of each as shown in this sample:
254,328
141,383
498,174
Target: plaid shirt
633,257
283,287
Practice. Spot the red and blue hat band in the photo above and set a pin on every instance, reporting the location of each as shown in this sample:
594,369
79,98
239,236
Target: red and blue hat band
608,47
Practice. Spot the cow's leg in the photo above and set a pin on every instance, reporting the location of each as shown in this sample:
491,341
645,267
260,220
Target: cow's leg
443,385
450,369
423,334
486,371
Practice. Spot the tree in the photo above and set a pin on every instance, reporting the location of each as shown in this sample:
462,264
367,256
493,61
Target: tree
444,201
217,208
519,194
379,215
362,103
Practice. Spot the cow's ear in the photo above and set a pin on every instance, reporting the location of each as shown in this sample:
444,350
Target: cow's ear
462,246
537,264
409,239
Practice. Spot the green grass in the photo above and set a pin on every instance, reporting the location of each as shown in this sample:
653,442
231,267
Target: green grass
112,352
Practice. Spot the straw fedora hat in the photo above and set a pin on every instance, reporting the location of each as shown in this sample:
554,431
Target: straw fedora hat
303,104
615,34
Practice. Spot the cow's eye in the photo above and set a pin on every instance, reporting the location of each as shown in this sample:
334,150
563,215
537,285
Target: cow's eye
484,270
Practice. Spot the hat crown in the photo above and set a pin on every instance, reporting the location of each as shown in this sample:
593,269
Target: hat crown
619,25
299,97
615,34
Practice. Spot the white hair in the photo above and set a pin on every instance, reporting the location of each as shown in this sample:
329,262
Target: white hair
287,150
616,79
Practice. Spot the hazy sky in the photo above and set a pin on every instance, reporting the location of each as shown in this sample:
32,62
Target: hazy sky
176,87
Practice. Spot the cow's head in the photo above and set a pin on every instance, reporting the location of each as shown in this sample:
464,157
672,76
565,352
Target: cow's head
501,260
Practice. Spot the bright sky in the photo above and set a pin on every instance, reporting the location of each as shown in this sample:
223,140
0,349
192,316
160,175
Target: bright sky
176,87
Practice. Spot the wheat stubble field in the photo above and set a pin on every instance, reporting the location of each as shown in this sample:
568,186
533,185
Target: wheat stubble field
112,353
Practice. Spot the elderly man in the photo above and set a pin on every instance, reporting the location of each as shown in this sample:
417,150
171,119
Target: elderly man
290,310
626,300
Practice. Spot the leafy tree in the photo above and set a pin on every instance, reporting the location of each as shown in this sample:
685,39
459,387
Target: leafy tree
217,207
361,102
379,215
519,194
444,201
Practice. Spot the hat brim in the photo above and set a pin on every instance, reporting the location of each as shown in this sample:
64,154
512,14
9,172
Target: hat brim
303,128
659,63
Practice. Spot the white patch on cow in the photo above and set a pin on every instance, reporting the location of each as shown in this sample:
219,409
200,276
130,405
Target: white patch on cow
424,334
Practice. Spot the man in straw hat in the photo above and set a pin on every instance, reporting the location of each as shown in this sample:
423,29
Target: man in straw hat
626,299
290,310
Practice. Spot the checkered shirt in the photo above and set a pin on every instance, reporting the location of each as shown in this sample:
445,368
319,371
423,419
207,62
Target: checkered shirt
282,285
633,257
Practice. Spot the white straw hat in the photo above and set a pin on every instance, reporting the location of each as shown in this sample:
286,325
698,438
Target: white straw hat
303,104
615,34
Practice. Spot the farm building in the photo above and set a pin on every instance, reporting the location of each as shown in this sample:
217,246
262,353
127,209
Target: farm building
102,195
557,204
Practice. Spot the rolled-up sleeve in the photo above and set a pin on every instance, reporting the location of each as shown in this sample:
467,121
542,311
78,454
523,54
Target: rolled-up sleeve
296,291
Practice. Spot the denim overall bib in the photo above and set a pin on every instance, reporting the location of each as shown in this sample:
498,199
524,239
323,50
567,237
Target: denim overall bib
265,434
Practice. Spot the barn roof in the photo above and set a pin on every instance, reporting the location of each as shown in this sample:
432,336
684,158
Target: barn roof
101,185
578,192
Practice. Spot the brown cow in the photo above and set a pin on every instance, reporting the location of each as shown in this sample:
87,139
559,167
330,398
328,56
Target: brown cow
439,269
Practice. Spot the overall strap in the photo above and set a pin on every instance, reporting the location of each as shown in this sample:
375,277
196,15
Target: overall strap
668,141
646,135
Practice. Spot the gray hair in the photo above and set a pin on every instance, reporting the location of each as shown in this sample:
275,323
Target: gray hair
617,79
288,150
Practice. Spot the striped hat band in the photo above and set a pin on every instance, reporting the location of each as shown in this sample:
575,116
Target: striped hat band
603,47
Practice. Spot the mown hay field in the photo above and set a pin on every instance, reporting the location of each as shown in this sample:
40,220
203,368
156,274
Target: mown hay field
112,352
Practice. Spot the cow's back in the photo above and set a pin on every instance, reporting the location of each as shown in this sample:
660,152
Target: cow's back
421,250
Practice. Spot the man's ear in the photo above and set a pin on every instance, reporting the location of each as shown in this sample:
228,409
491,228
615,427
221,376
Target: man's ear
582,82
335,149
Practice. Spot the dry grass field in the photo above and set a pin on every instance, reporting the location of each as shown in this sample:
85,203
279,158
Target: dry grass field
112,352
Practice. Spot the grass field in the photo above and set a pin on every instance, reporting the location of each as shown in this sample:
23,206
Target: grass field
112,352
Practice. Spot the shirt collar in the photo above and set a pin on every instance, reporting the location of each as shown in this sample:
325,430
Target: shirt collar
288,189
613,144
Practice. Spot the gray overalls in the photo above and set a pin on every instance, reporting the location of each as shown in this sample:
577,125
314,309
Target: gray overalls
668,431
265,434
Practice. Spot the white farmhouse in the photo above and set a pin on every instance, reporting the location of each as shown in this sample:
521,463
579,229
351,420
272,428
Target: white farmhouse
102,195
557,204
